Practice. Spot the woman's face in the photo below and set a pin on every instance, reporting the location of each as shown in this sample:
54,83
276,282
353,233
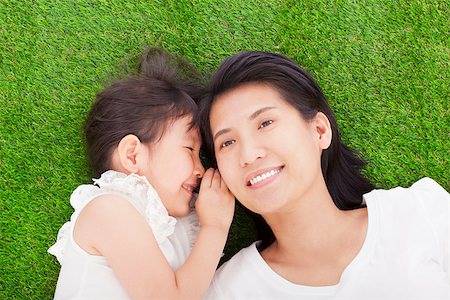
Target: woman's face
267,154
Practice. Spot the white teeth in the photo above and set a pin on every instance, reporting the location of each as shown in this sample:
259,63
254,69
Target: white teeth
263,176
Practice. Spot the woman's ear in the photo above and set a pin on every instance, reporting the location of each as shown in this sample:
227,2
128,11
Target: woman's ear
323,129
127,151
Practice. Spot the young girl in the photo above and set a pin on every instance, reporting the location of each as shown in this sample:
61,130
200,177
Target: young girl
132,230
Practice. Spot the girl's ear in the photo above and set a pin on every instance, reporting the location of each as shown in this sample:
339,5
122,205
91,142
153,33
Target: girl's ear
128,150
323,129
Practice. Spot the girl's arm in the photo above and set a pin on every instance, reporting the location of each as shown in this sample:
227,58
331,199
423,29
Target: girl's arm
215,209
110,226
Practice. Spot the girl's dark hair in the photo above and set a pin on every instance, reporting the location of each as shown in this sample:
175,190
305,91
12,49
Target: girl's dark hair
340,165
166,88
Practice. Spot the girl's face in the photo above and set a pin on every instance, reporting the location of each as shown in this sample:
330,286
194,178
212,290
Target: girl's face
267,154
174,167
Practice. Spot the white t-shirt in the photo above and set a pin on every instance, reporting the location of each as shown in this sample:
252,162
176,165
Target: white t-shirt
404,256
85,276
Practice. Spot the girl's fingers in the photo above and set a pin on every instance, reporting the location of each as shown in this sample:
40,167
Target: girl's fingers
212,179
216,179
207,178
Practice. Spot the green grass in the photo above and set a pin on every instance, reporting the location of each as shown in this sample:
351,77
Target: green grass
383,64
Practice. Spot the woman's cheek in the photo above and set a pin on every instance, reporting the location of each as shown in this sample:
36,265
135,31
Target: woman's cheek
224,166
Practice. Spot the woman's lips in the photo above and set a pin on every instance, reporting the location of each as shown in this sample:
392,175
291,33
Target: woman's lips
262,176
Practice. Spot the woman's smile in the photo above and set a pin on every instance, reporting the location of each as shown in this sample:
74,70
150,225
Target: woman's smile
263,177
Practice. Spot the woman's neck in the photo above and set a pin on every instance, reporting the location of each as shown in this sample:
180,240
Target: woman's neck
314,223
315,241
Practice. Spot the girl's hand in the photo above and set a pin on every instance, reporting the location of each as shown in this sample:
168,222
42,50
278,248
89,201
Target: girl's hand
215,203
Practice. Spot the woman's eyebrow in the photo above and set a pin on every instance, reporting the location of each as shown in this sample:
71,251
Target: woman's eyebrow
260,111
220,132
252,117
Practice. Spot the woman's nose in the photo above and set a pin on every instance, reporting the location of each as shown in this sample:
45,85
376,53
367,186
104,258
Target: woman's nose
250,151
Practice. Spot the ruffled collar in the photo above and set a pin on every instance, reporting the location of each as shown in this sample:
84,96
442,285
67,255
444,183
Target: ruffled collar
143,196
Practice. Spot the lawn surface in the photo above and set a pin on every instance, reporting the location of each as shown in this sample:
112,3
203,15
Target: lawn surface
383,64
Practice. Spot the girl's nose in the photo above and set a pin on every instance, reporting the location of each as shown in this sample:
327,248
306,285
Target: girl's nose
199,170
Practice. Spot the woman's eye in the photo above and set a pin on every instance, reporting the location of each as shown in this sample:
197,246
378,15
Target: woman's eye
226,143
190,148
265,124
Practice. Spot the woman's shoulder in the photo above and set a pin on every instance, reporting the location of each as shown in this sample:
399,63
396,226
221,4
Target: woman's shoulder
245,255
429,185
425,205
238,270
425,190
429,190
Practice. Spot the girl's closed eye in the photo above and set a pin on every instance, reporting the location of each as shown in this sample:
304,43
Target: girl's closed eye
190,148
265,124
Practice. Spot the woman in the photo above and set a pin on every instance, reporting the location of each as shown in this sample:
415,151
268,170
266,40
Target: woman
330,235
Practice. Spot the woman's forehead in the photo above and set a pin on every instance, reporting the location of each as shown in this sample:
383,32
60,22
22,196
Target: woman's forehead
244,102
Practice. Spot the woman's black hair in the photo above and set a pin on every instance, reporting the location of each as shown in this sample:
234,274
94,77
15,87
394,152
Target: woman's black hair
341,165
166,88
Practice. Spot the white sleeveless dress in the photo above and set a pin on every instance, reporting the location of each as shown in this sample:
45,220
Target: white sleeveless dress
85,276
